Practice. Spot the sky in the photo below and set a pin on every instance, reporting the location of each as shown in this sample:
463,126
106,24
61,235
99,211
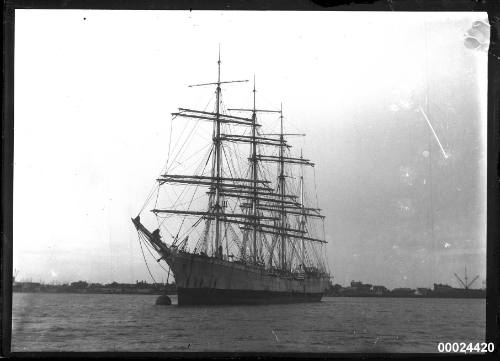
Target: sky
405,204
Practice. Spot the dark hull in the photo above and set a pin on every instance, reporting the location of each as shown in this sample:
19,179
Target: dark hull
204,280
207,296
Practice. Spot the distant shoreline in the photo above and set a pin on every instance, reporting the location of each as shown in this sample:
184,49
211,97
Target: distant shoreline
356,289
158,293
83,287
174,294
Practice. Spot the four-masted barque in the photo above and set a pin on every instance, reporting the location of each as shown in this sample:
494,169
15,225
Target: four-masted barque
244,203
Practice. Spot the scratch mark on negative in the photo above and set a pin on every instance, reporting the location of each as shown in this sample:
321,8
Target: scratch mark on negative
275,336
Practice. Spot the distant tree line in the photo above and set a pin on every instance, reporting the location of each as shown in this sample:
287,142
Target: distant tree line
84,287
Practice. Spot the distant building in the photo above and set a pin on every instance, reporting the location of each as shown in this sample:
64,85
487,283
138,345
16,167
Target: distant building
403,291
334,289
361,287
29,286
442,287
79,284
423,291
379,290
357,289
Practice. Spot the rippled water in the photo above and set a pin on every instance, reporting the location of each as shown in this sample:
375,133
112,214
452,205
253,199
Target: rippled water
77,322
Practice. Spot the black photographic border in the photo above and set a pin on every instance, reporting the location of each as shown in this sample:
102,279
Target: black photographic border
492,7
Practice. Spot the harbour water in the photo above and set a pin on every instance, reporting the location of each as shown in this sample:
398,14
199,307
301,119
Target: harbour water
106,322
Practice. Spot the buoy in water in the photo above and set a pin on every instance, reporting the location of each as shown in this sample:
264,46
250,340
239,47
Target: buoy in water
163,300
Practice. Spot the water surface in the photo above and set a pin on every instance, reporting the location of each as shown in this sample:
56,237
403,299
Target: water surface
87,322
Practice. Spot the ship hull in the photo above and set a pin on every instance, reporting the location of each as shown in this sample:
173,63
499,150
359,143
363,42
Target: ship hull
203,280
207,296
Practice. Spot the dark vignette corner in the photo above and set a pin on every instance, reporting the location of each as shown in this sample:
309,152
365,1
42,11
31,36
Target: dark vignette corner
493,137
7,177
493,179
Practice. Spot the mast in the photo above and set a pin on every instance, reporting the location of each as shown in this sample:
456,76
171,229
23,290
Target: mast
282,192
256,195
303,217
254,175
217,145
264,202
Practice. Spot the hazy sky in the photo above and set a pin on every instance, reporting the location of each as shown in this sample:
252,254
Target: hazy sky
94,91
